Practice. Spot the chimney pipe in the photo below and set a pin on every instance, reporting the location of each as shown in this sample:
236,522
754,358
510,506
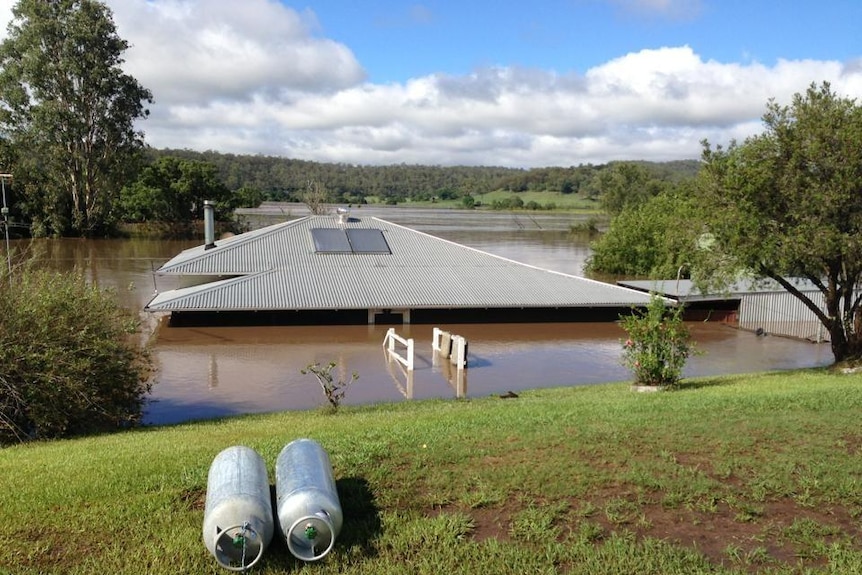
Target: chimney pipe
209,225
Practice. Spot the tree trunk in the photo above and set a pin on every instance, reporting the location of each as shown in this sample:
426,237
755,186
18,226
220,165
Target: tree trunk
840,347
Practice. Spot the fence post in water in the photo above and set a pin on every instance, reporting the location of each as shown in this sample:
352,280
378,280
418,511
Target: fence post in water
459,351
238,522
309,512
410,354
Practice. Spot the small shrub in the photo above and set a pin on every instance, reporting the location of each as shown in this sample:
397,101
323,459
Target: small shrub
658,344
71,361
334,390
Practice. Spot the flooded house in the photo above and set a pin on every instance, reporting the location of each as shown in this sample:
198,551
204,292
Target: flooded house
340,269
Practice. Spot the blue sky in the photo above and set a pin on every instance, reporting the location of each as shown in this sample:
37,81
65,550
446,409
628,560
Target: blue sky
398,40
439,82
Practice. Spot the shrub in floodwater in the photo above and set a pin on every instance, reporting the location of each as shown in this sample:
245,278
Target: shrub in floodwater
334,390
658,344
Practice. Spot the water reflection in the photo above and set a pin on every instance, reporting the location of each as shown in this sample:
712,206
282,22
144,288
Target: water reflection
211,372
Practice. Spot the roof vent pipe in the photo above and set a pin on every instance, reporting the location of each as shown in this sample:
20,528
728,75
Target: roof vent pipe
209,225
343,215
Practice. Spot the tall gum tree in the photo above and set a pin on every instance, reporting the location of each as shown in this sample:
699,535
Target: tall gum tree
68,111
788,203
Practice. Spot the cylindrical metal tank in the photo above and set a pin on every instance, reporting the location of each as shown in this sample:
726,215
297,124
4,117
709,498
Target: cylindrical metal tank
309,512
238,520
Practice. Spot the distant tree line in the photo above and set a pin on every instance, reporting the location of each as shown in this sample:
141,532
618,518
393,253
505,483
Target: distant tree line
284,179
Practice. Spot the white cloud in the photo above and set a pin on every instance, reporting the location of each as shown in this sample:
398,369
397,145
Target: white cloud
198,51
256,77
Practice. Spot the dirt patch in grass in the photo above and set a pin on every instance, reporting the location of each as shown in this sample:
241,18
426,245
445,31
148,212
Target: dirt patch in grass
193,499
724,535
492,523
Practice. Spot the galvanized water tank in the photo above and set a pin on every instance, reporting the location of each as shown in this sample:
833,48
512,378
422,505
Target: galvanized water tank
238,520
309,512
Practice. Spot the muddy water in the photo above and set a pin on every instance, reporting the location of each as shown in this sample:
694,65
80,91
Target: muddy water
211,372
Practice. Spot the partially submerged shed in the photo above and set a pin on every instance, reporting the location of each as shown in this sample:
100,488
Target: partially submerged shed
761,306
338,269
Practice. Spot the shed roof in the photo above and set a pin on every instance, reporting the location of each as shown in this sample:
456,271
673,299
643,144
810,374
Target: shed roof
686,290
280,267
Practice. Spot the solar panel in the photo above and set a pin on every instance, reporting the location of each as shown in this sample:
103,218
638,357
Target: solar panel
368,241
357,241
330,241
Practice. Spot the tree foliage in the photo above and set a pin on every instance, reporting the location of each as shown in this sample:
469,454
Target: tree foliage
173,190
657,238
790,205
68,112
627,184
71,361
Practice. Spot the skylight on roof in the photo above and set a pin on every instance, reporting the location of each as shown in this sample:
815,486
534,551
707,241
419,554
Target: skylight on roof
354,240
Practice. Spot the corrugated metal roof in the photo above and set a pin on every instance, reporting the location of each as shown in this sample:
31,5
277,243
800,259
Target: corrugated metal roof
281,270
685,289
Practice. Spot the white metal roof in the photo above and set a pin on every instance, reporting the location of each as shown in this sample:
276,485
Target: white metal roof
278,268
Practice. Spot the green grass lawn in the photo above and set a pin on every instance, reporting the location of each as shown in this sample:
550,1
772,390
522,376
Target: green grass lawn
738,474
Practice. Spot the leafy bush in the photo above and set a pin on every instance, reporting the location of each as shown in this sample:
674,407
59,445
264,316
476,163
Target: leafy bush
69,359
658,344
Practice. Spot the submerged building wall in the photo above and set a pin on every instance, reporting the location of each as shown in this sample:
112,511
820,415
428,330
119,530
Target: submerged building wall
780,313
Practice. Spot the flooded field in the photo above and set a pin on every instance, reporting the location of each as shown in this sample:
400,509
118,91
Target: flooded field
211,372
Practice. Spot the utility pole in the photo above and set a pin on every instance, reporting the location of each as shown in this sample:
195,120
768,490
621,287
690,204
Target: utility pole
4,211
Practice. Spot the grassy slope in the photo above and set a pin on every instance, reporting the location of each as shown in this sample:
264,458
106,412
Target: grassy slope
735,474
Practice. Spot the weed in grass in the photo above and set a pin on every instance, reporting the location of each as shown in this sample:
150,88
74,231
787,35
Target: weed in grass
481,493
536,524
746,512
590,532
586,509
674,499
734,552
620,511
708,504
843,557
809,536
757,556
643,522
667,455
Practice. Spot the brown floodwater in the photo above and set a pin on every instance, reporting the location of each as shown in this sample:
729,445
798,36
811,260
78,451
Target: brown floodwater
213,372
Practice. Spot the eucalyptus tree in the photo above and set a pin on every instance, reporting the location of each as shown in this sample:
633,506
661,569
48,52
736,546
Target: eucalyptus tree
68,110
788,203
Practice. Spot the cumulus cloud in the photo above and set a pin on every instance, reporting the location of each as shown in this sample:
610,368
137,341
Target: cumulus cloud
256,77
194,50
